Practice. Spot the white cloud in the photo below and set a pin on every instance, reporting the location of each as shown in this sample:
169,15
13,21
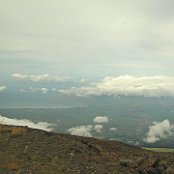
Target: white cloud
21,90
54,89
24,122
113,129
33,89
2,88
41,77
159,130
98,128
128,85
44,90
101,119
84,130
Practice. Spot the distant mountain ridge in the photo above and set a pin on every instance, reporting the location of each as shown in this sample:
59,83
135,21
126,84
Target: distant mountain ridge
30,151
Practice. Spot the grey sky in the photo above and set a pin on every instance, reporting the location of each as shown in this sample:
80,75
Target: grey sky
89,38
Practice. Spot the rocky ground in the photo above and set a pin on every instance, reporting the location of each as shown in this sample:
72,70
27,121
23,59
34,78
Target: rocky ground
29,151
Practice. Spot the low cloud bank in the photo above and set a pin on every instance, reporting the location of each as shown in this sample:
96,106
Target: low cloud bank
151,86
2,88
159,130
86,130
24,122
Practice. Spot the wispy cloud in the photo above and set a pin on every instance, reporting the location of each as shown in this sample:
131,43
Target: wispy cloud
127,85
98,128
42,90
2,88
24,122
158,131
113,129
41,77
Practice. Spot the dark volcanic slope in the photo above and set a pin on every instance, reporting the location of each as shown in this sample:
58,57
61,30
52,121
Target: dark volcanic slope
29,151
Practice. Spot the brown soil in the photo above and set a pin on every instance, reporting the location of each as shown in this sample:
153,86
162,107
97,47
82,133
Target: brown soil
30,151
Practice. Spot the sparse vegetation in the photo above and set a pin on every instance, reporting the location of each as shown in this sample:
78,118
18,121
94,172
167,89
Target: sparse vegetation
159,149
29,151
4,129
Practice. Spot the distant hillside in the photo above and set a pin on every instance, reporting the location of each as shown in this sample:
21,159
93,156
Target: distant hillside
30,151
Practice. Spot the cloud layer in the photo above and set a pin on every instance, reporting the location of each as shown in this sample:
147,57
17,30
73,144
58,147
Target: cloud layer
150,86
87,37
2,88
158,131
24,122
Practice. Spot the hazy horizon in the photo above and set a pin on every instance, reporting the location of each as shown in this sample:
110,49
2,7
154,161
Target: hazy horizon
95,55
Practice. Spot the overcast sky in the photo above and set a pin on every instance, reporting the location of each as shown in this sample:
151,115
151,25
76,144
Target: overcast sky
87,38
